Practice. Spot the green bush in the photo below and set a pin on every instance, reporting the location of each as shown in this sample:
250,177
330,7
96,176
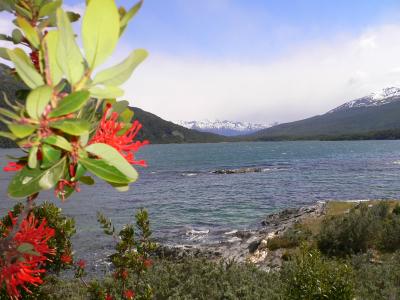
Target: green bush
203,279
359,230
64,230
309,276
377,280
291,238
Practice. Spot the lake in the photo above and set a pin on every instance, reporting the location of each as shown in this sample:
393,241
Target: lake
188,203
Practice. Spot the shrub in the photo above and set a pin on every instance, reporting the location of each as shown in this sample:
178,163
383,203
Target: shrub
64,230
355,232
309,276
377,280
291,238
203,279
131,261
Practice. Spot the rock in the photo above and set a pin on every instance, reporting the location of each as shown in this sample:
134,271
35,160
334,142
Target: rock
248,245
243,234
237,171
253,246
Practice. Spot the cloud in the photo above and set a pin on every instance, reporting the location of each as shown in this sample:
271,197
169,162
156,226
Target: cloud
309,81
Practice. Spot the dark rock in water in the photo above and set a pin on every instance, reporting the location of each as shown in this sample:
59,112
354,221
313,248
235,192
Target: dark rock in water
237,171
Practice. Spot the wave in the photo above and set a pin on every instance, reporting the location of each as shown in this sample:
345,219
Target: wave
189,174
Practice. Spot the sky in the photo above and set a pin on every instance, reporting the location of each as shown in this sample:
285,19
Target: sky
260,61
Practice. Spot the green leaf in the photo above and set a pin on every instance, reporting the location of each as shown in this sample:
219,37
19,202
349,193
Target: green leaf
37,101
120,187
50,156
49,8
126,116
114,158
32,158
30,32
106,92
25,68
72,127
120,73
7,135
4,54
100,31
51,42
27,248
87,180
9,114
21,130
70,104
105,171
129,15
31,181
69,57
23,12
17,36
58,141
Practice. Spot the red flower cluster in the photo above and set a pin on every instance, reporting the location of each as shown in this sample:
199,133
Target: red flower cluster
66,259
81,264
13,167
20,268
108,133
129,294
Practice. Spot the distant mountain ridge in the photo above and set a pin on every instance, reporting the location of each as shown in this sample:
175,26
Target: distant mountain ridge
376,116
225,127
385,96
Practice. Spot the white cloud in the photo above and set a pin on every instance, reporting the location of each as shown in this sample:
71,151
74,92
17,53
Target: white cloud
311,81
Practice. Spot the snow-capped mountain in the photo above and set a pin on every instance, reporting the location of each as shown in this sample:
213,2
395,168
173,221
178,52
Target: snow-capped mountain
227,128
385,96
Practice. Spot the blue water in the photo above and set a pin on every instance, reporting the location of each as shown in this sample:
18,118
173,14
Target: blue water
182,194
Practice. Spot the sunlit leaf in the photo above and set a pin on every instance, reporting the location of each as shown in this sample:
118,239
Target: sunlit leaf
37,101
30,32
25,68
32,158
114,158
105,171
72,127
70,104
51,42
103,92
129,15
120,73
69,57
49,8
21,130
58,141
100,31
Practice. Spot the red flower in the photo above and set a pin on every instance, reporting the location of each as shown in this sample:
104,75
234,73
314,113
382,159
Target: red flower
109,297
148,263
19,268
107,133
66,259
13,167
81,264
129,294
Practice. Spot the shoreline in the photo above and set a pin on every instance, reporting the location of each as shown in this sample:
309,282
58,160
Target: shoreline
248,245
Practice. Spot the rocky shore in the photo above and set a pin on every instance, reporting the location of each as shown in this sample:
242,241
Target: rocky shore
249,245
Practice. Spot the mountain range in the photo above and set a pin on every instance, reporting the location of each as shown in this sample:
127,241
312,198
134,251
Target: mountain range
376,116
226,128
